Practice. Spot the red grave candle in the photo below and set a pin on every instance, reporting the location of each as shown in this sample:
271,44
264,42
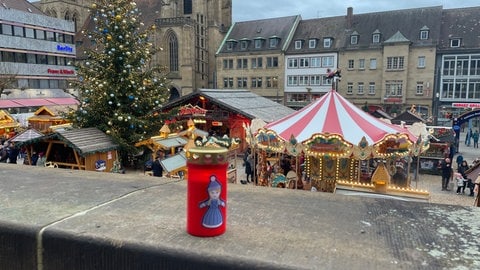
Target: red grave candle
207,191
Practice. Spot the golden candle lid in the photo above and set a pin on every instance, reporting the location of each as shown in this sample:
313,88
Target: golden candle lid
207,155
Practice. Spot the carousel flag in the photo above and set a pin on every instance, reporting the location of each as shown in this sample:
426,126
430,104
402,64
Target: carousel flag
363,151
293,147
251,129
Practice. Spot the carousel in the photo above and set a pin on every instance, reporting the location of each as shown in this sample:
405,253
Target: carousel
332,145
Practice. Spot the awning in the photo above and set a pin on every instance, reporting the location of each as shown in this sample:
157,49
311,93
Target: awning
32,102
7,103
63,101
37,102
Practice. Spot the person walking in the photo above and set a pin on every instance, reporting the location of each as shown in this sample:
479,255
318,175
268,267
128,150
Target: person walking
447,173
459,161
249,167
462,169
460,182
157,168
469,139
475,139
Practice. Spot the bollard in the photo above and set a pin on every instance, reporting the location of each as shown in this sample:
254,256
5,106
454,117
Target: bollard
207,191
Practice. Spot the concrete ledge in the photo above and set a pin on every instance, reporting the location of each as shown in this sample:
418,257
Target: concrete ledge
89,220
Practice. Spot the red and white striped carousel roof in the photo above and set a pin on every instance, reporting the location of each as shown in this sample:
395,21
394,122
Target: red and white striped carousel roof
333,114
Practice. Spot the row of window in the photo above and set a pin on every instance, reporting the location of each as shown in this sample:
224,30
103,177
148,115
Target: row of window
35,33
255,82
41,84
32,58
392,88
311,62
393,63
305,80
461,88
461,65
424,35
302,97
313,42
376,37
258,43
256,62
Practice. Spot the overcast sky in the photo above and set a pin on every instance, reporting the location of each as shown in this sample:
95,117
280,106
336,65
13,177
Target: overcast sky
247,10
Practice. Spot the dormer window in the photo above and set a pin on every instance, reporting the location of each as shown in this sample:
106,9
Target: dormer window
258,43
312,43
424,33
327,42
455,42
230,44
273,42
376,37
243,45
298,44
354,38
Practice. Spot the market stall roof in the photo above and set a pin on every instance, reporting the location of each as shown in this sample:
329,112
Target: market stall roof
333,114
86,140
408,118
7,121
166,143
36,102
27,135
241,101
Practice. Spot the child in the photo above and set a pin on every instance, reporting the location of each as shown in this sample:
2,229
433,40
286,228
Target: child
460,182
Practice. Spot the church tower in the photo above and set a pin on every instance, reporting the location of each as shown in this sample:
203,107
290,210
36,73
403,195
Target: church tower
76,11
190,33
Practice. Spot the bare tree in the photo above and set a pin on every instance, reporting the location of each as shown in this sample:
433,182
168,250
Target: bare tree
6,82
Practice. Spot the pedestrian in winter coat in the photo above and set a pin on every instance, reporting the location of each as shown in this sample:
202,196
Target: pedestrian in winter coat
447,173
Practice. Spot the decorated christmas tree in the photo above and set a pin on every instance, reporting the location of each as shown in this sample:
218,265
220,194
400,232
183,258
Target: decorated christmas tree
118,86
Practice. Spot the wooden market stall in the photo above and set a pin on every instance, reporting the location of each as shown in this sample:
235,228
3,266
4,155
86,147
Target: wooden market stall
8,125
78,148
44,118
177,144
224,111
441,139
26,140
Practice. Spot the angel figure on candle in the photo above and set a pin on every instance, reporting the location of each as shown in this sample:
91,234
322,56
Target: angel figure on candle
213,217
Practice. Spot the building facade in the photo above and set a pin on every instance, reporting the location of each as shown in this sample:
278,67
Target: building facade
457,66
312,53
35,52
421,59
252,56
187,31
391,65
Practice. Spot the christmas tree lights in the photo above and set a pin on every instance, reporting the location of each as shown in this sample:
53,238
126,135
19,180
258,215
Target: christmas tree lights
118,86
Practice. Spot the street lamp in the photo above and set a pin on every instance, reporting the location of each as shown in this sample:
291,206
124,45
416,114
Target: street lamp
435,108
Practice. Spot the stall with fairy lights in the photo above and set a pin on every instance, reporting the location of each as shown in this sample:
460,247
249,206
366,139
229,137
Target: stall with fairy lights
336,145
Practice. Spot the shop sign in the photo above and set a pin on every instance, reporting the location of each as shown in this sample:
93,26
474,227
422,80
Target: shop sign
394,100
217,124
64,48
466,105
190,110
199,121
60,71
